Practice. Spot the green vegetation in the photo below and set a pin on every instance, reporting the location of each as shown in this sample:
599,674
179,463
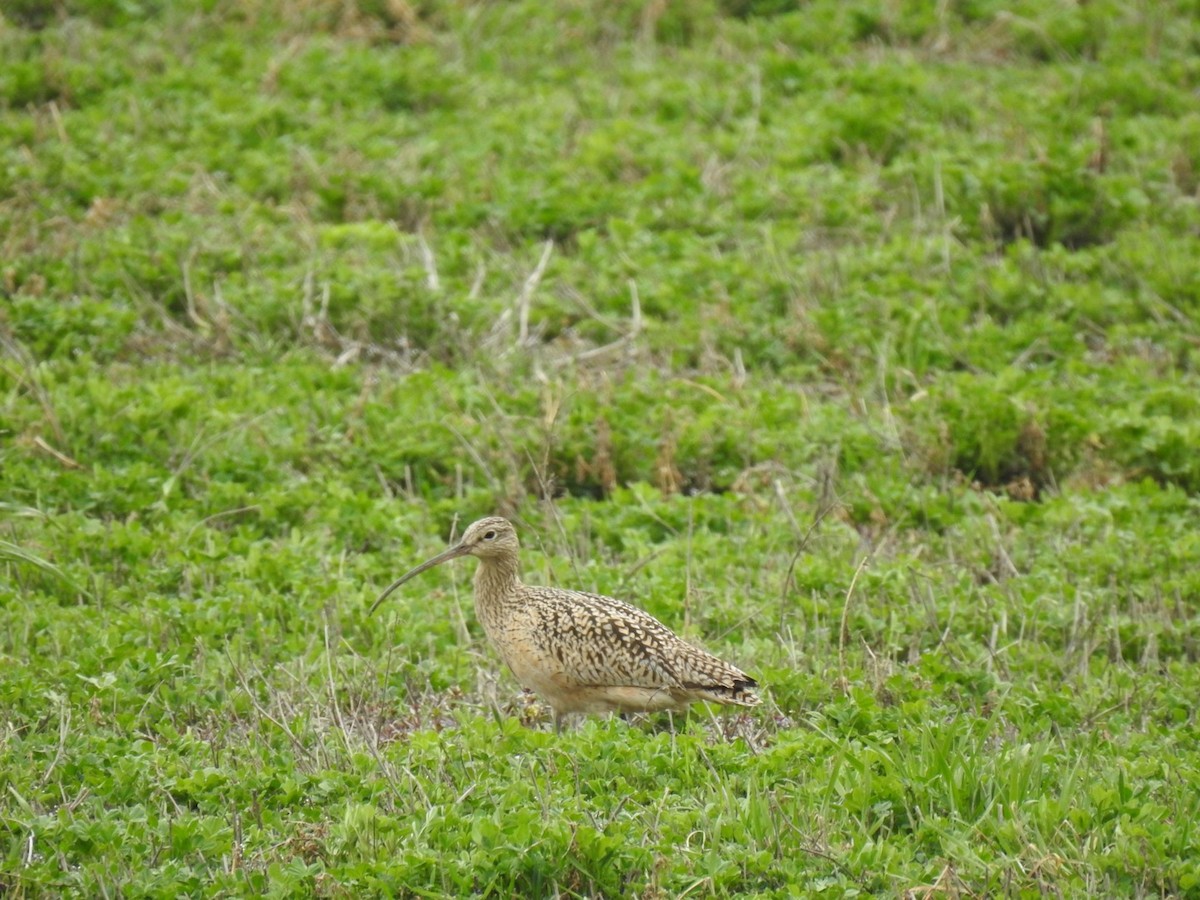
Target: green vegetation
858,340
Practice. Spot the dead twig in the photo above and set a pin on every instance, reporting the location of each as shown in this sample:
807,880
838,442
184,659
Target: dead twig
525,299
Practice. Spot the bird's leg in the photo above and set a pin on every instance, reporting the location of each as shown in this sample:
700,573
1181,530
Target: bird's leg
558,720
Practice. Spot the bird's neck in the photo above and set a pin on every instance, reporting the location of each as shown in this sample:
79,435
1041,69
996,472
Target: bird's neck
495,579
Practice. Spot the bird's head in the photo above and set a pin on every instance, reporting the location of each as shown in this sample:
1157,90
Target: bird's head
490,538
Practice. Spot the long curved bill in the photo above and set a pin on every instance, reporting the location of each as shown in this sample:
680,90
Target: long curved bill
455,551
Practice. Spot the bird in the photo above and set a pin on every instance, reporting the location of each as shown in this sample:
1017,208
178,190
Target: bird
581,652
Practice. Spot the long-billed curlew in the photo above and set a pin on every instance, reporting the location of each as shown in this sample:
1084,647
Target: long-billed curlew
583,653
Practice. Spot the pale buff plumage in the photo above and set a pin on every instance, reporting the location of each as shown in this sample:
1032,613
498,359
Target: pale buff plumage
583,653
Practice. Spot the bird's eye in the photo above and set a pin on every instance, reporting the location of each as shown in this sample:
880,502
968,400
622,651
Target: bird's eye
490,536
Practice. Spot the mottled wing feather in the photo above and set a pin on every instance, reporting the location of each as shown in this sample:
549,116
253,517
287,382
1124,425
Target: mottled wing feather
604,641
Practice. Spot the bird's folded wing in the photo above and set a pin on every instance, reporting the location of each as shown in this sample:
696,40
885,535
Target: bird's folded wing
604,641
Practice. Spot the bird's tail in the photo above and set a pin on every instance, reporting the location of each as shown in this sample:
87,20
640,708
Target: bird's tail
740,693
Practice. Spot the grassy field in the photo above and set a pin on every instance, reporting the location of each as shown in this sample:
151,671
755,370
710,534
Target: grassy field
857,340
